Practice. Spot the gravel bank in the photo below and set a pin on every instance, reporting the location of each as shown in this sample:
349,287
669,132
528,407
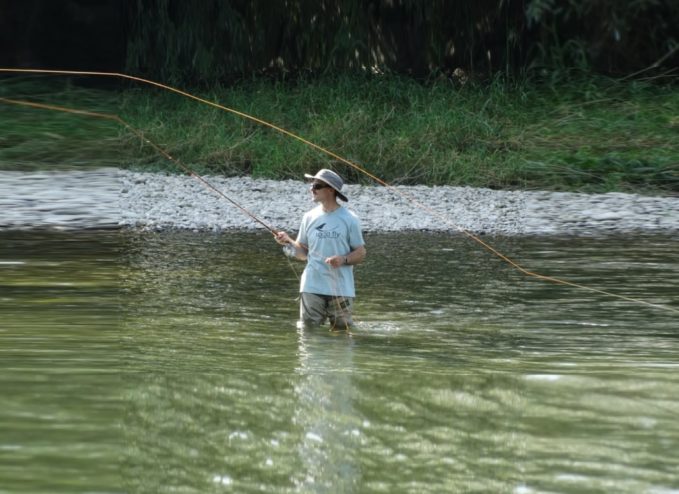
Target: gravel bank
111,198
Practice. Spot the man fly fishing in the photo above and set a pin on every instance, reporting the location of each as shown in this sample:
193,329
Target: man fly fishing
331,241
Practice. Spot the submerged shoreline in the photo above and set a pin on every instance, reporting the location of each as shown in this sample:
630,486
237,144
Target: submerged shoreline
120,199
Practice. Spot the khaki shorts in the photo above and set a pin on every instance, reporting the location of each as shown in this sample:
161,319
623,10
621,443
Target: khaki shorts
315,309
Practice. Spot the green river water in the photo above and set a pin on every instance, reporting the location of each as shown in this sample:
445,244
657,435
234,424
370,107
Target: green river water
171,363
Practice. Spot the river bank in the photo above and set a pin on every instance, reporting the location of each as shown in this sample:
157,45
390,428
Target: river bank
120,199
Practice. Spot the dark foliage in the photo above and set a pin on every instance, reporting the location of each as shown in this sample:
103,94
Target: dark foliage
209,41
219,40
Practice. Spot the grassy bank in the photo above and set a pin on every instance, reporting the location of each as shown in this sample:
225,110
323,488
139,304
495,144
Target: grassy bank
593,135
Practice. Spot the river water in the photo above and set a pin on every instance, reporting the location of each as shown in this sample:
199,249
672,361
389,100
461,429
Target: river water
171,363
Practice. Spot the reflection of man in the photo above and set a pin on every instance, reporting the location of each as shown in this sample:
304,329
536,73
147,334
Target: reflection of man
330,428
331,241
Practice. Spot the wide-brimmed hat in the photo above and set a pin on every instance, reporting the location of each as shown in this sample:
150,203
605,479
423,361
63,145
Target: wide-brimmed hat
332,179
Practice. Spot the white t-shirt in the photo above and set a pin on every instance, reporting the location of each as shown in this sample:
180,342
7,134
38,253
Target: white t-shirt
329,234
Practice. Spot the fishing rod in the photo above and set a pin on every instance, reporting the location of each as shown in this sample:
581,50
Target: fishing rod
403,194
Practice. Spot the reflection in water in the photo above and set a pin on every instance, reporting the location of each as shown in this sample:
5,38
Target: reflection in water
171,363
329,428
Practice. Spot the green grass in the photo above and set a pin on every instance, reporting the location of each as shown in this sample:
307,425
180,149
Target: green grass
593,135
35,139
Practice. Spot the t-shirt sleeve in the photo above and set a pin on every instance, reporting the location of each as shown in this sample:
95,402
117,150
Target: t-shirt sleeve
355,234
302,234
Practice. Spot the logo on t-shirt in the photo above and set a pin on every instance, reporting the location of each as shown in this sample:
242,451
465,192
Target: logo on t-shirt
321,233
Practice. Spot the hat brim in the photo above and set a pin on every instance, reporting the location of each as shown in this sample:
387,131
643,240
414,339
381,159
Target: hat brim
339,194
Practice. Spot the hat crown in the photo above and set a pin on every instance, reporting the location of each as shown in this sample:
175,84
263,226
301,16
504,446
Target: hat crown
331,178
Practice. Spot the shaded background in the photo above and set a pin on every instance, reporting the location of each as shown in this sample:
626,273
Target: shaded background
209,41
71,34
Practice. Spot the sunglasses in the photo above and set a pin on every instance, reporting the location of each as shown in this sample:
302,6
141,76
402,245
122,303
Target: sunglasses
319,186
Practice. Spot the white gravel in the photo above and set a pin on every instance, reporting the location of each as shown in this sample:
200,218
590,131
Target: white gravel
112,198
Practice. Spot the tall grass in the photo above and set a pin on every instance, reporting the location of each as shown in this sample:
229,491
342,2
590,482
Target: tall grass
589,135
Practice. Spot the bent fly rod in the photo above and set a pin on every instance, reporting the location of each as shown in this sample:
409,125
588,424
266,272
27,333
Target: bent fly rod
333,155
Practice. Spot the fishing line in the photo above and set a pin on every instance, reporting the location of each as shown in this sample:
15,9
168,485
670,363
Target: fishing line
404,195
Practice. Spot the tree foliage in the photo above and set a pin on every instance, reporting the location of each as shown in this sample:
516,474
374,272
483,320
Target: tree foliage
221,40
